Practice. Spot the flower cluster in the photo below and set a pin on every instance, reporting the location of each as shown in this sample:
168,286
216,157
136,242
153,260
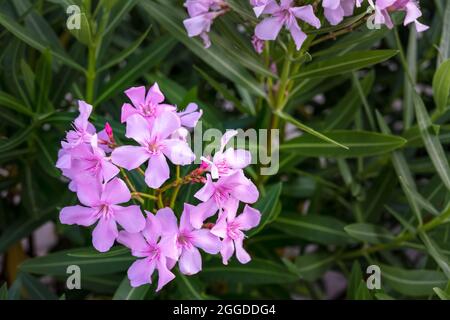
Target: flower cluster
94,161
383,7
284,13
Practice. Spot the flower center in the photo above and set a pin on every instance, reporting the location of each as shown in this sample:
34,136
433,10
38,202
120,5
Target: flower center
184,239
233,230
105,212
148,110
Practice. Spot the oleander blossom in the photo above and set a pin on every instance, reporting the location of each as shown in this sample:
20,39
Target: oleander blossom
217,196
182,242
411,7
285,14
101,203
201,17
147,246
336,10
227,162
155,146
231,228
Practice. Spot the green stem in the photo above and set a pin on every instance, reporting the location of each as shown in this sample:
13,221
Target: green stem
91,73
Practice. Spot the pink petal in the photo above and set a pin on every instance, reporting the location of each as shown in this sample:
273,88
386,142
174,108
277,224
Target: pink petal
129,157
157,171
136,95
127,111
154,95
227,250
89,194
421,27
165,124
197,25
249,218
207,191
168,221
306,13
237,159
178,152
269,28
190,261
130,218
152,230
109,170
241,254
115,192
135,242
164,275
297,34
138,129
168,246
203,211
220,229
185,219
104,234
206,241
140,272
77,215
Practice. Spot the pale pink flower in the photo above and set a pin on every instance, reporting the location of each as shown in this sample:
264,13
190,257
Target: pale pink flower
225,192
230,230
190,116
225,163
146,245
286,15
147,105
258,44
336,10
413,13
187,239
155,146
101,204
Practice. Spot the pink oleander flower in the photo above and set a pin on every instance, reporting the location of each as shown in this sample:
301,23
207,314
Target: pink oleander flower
155,146
202,14
286,15
336,10
87,164
258,44
82,128
230,230
187,239
147,105
219,195
190,116
413,13
225,163
101,204
146,245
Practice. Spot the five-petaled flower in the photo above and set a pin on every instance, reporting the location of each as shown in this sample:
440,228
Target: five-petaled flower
101,204
413,13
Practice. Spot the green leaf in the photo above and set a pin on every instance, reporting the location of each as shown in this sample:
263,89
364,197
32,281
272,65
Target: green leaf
15,140
171,18
122,55
21,33
84,33
12,103
35,289
369,233
4,292
347,63
344,112
322,229
127,292
359,144
441,294
43,82
142,63
267,205
312,266
309,130
96,264
431,142
414,283
354,281
444,47
434,251
189,286
257,271
441,86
